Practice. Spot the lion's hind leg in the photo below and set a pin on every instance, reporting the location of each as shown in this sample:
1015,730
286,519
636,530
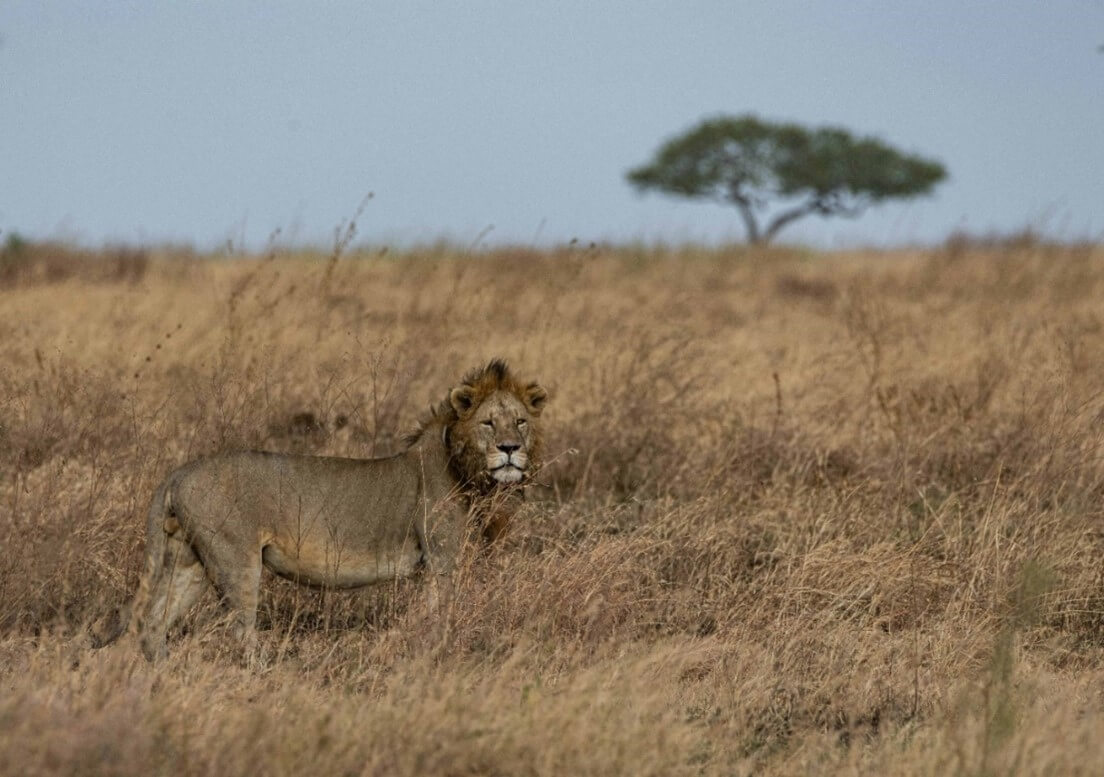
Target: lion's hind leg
236,573
176,584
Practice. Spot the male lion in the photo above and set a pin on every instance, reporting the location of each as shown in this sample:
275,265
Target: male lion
336,522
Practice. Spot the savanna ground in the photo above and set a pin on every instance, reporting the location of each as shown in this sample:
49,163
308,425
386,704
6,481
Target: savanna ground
803,514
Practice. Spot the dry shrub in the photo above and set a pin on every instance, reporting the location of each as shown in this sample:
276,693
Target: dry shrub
24,263
462,721
638,434
789,512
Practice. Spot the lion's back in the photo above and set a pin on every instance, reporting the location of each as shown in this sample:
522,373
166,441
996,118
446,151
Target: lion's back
275,490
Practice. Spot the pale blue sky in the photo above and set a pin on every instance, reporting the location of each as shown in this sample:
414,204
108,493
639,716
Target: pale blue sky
198,121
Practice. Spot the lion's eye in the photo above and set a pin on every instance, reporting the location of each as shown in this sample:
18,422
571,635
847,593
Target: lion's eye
521,422
489,423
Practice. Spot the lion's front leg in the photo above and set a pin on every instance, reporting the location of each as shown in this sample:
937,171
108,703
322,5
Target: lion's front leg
437,589
441,534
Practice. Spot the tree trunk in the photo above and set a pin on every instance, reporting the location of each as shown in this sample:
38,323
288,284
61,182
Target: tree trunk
750,224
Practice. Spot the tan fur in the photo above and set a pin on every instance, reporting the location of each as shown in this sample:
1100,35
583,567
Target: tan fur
337,522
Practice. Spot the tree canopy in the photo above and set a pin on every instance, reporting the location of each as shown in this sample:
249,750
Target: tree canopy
784,170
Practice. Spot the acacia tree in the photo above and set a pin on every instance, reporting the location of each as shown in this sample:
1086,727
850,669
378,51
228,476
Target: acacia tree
784,171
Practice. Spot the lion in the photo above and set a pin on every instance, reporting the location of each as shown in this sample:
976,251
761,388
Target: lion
337,522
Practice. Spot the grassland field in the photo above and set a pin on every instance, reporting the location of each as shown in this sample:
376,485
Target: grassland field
803,512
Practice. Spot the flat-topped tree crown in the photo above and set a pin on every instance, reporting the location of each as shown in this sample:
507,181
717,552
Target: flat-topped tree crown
784,171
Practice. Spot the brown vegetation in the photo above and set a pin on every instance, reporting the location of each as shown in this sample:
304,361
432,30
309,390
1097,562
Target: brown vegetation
802,513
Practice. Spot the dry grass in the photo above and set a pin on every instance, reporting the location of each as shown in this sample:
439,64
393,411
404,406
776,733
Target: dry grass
807,513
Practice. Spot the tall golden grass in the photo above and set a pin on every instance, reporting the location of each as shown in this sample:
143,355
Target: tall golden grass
806,513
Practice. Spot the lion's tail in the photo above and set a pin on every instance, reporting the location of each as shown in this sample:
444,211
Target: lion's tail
113,626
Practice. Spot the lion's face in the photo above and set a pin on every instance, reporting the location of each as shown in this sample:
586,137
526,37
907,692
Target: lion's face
500,429
496,436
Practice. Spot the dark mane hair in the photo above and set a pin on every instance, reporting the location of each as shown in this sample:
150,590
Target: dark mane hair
494,376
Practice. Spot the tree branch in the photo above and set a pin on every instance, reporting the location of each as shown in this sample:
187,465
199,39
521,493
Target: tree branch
830,204
787,216
833,204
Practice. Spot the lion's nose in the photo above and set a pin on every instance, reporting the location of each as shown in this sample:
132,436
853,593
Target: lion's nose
508,447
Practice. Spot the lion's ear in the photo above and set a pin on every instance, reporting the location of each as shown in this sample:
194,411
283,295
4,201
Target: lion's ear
462,398
535,398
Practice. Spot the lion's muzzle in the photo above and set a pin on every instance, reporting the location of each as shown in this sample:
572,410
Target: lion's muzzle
508,466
